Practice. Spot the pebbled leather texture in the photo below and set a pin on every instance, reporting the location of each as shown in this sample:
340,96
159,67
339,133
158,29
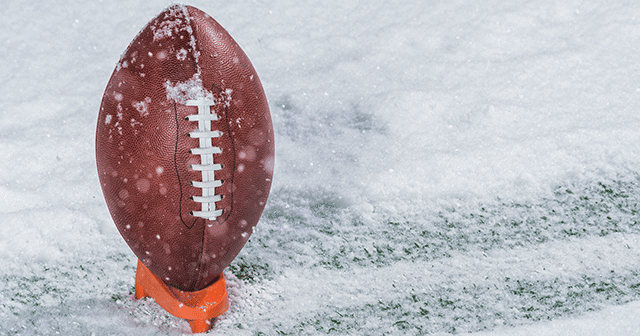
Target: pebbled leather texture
142,147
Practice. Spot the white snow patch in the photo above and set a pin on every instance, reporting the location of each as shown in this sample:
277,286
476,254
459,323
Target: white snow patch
168,28
181,55
189,90
142,106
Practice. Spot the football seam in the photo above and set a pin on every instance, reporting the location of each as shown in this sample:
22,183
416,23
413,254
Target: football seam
233,150
175,165
223,219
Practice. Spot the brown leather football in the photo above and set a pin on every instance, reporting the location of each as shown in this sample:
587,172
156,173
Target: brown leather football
184,147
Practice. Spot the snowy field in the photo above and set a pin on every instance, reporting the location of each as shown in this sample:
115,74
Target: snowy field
442,167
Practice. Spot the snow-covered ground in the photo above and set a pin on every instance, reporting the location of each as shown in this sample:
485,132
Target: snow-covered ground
442,167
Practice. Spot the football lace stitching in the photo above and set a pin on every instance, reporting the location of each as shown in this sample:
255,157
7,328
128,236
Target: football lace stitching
207,166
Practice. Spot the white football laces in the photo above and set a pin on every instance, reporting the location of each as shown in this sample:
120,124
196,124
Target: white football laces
207,166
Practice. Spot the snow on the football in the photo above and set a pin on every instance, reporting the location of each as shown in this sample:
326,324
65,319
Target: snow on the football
440,168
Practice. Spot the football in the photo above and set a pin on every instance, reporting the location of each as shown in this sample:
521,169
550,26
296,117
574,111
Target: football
184,147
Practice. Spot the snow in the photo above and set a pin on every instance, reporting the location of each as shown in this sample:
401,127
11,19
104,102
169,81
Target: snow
189,90
441,168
